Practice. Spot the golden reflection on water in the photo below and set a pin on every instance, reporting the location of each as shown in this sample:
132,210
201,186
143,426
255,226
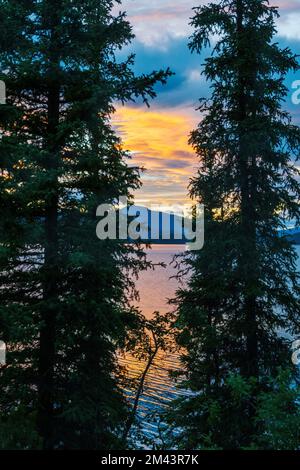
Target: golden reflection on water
155,289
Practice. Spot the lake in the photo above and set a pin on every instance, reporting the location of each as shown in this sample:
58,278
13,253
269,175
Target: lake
155,288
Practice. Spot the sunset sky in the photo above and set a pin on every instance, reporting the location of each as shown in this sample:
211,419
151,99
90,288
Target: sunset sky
158,137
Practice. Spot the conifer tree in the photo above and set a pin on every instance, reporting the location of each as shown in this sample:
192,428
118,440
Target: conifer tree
242,301
64,308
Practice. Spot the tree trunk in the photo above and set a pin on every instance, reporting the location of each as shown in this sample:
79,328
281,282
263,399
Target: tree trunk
50,288
248,216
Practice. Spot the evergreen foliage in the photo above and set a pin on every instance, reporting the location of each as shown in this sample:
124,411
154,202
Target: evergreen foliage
64,308
242,302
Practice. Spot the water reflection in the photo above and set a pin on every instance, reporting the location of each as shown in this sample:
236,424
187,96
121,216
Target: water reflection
155,288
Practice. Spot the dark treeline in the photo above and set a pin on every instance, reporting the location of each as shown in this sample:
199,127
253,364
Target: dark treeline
65,295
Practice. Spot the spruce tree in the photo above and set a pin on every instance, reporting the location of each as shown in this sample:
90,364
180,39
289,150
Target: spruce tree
241,305
64,294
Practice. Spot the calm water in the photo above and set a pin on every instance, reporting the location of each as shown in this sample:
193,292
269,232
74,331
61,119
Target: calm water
155,289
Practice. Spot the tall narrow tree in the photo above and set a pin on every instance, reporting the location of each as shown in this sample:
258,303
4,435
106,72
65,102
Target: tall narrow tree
242,298
64,294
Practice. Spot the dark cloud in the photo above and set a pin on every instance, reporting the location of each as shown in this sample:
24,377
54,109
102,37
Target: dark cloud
187,86
162,33
178,164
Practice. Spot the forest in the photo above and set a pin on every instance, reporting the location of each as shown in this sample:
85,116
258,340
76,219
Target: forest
69,301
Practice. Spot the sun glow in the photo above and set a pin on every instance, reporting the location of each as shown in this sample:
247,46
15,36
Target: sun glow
158,141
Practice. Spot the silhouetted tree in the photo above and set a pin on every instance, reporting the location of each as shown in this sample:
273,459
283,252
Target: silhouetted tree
242,299
64,294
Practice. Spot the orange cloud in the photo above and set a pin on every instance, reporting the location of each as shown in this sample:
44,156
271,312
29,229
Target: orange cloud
158,141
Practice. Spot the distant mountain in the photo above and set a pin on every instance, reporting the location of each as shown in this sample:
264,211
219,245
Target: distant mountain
160,227
157,224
